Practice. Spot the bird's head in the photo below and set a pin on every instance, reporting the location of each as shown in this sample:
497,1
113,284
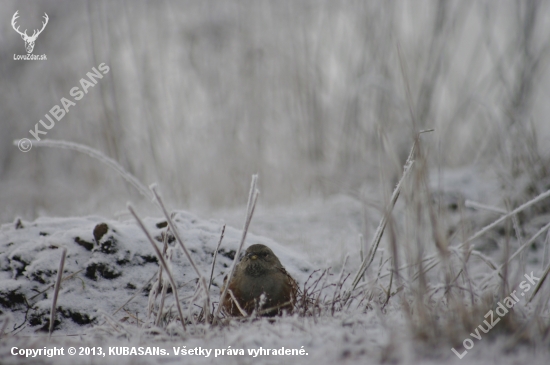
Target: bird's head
259,259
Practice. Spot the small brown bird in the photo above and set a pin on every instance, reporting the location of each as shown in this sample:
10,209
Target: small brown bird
260,272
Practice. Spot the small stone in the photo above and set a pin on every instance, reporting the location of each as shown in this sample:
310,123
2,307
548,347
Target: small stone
100,230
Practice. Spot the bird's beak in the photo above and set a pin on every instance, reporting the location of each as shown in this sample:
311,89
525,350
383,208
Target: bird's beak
253,257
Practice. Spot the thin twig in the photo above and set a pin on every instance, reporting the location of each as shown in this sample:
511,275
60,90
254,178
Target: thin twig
480,206
174,230
476,205
518,251
490,226
117,326
338,282
7,318
407,86
539,284
56,289
162,261
380,230
524,206
388,292
545,258
252,197
215,256
155,288
161,304
135,295
52,285
243,313
361,245
161,281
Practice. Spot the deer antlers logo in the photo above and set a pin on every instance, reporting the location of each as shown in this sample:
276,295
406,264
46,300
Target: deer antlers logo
29,41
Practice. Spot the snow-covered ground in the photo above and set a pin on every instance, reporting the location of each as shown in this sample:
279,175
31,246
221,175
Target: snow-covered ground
107,268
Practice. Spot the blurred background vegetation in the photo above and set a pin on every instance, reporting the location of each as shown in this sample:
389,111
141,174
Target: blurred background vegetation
309,94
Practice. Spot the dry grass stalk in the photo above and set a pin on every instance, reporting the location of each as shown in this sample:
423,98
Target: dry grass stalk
116,325
519,209
211,310
51,286
495,223
539,284
236,302
163,293
382,225
162,261
56,289
5,323
215,256
174,230
546,253
135,294
252,198
515,254
339,284
159,283
307,297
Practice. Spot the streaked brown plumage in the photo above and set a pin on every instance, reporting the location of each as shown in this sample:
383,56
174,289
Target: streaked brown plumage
260,272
